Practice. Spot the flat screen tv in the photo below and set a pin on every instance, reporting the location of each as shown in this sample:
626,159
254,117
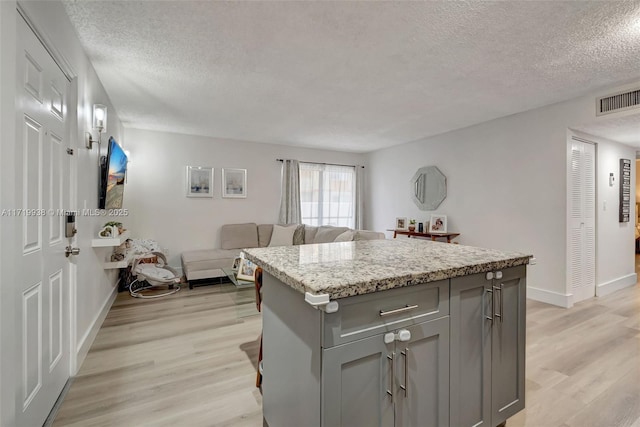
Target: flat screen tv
113,168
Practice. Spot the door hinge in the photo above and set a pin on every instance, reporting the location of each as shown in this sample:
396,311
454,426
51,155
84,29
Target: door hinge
70,151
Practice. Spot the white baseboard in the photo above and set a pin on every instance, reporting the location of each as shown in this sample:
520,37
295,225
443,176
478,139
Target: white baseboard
550,297
90,335
615,285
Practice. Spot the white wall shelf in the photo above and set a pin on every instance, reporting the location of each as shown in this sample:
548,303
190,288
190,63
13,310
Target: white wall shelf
119,264
115,241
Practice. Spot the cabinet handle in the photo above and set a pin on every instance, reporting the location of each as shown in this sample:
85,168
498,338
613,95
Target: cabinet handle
501,303
497,310
489,291
398,310
391,374
405,387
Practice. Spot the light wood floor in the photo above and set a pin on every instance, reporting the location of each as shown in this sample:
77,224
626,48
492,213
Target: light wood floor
188,360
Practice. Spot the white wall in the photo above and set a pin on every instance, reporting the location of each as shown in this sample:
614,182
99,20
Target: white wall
506,182
95,286
155,188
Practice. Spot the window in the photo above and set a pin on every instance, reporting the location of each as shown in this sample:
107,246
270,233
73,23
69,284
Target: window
327,194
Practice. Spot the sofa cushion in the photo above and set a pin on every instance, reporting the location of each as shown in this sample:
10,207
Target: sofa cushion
238,236
347,236
309,233
264,234
327,233
368,235
298,236
282,235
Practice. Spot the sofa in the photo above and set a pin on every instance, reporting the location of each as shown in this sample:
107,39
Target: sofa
207,264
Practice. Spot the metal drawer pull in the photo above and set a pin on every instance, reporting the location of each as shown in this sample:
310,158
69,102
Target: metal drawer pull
406,369
496,307
501,303
398,310
391,375
489,291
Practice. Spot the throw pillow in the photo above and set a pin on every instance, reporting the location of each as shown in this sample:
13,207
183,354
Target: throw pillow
347,236
298,236
282,235
368,235
327,233
309,233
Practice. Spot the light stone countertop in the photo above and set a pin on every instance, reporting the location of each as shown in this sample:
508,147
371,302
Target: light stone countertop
353,268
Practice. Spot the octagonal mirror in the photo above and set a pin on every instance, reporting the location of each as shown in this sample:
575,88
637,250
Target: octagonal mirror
428,188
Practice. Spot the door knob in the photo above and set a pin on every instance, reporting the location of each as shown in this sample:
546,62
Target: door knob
498,275
71,251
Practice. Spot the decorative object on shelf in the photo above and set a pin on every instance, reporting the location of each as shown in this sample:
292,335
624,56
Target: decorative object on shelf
117,226
625,190
438,223
108,232
236,263
234,183
420,227
199,181
428,188
401,223
412,225
246,269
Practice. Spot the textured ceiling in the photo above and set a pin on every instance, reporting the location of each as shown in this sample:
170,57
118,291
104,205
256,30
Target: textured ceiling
353,76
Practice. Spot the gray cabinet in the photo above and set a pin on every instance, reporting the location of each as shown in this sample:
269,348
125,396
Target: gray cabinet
487,347
356,377
422,376
402,383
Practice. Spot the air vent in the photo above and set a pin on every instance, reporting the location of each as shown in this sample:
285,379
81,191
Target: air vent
618,102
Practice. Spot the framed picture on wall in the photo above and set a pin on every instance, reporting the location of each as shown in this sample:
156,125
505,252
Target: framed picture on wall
438,224
199,181
234,183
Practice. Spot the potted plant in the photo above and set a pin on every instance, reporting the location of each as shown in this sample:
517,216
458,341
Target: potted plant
412,225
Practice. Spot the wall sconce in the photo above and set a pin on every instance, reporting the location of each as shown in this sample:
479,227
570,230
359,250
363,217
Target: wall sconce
99,123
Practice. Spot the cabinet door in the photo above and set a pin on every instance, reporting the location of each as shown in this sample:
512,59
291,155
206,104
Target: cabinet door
508,345
422,376
471,304
356,377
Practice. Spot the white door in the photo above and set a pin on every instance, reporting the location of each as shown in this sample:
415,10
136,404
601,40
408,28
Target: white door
582,212
42,191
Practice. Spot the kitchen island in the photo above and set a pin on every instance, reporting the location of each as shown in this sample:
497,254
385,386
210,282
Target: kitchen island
392,333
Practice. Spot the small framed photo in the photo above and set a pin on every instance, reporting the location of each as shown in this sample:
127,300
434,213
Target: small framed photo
246,270
199,181
438,223
401,223
236,263
234,183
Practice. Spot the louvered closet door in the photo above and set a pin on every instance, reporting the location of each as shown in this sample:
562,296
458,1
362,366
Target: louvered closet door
582,199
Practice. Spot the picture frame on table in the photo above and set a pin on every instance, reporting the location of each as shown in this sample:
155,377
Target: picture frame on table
246,270
401,224
236,263
234,183
438,223
199,181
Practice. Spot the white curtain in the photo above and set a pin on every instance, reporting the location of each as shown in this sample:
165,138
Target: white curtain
290,198
327,194
359,222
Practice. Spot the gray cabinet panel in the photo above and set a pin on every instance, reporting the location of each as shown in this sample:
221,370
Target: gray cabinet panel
508,346
422,368
355,378
470,351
